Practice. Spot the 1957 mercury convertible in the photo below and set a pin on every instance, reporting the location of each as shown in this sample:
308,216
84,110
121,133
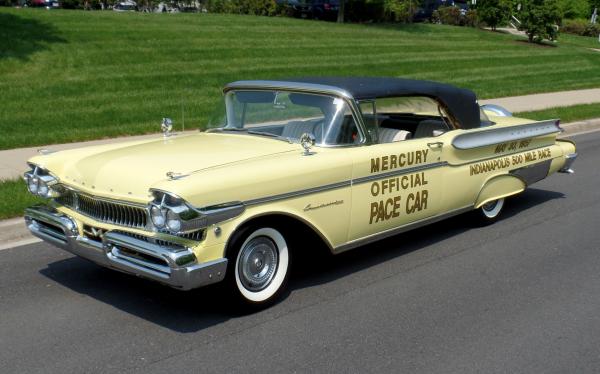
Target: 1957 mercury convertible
350,160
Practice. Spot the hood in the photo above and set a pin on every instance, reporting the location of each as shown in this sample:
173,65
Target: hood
128,170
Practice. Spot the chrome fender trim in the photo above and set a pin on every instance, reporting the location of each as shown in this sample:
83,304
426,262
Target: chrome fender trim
491,136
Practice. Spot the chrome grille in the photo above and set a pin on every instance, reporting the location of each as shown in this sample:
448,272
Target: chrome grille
195,236
121,214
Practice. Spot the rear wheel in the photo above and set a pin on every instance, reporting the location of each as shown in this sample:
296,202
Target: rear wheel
489,212
259,264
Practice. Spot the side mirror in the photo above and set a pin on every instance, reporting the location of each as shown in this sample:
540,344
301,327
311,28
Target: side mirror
307,141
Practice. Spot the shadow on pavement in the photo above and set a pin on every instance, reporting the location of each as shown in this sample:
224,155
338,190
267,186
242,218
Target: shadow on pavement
196,310
20,37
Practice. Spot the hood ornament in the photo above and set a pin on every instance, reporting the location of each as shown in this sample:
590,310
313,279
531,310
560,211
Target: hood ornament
166,126
172,175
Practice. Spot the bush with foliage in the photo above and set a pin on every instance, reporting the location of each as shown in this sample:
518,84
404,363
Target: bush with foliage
400,10
254,7
539,19
472,18
448,15
494,12
572,9
581,27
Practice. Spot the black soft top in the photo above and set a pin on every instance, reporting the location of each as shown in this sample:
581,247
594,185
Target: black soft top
461,103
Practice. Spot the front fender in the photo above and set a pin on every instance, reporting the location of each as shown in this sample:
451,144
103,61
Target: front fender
499,187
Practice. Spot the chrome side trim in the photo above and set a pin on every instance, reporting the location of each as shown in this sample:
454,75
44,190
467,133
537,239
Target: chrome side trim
496,135
569,160
223,212
174,266
342,184
297,193
398,230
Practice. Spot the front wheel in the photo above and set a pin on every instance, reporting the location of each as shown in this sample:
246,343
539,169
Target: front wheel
489,212
260,260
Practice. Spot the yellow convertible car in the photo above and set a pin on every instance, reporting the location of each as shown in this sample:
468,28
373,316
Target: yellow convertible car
348,160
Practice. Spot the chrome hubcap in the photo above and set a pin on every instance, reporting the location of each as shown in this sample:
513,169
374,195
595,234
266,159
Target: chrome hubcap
490,206
258,263
493,208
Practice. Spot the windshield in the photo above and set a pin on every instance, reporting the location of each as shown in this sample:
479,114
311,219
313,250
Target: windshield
289,115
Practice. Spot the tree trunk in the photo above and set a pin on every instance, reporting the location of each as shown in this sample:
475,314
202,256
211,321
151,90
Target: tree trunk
340,17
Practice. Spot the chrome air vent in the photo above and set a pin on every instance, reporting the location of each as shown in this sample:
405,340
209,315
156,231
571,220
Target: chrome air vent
103,210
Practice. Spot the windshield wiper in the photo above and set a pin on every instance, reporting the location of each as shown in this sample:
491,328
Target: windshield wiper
270,135
252,132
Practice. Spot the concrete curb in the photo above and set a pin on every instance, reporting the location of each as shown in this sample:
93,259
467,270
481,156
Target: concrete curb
580,127
14,233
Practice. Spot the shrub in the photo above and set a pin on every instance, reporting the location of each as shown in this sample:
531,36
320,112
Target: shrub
575,8
580,27
539,19
399,10
254,7
472,18
448,15
494,12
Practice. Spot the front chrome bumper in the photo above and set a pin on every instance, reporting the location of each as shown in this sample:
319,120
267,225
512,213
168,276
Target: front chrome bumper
569,160
174,266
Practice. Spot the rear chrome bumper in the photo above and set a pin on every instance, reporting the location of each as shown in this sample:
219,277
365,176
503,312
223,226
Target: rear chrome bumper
569,160
174,266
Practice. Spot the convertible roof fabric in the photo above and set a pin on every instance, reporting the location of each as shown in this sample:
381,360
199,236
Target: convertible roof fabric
461,103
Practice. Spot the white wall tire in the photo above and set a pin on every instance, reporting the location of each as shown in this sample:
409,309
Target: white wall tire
261,265
489,212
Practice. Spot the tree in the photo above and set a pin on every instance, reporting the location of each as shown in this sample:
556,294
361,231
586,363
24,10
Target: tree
539,19
400,10
572,9
494,12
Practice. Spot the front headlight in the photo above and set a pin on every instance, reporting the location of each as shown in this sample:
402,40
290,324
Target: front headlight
41,183
173,221
173,214
158,216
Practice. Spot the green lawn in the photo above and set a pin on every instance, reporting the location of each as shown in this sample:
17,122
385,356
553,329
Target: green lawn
75,75
566,114
18,198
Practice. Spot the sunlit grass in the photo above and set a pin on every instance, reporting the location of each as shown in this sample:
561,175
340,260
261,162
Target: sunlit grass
75,75
566,114
15,198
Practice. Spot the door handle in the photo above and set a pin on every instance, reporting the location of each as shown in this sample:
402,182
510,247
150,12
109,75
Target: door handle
435,145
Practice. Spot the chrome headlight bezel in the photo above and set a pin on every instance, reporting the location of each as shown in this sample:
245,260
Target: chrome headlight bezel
41,183
172,214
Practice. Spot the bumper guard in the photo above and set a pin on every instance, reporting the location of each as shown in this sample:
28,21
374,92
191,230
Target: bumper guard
569,160
174,266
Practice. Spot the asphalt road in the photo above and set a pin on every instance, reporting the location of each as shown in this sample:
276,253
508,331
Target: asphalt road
522,295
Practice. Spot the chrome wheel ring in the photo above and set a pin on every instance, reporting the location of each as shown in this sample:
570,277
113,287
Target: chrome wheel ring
257,263
493,208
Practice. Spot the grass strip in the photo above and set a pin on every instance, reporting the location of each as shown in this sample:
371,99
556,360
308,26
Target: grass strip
15,198
69,75
566,114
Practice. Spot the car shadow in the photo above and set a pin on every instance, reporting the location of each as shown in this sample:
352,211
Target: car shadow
21,37
196,310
